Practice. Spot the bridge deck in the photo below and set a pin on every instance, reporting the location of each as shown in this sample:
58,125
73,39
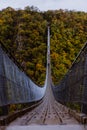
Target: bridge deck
48,115
48,127
49,112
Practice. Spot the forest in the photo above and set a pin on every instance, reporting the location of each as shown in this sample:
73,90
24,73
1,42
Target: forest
24,34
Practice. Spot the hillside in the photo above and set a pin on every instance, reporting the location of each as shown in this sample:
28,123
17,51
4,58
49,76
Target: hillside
24,33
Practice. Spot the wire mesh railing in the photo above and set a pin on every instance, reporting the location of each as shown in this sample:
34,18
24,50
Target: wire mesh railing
72,90
15,86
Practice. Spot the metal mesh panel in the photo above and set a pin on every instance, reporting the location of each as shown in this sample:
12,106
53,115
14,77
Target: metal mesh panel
73,87
15,85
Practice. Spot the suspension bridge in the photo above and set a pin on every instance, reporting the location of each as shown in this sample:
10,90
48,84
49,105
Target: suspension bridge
52,104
